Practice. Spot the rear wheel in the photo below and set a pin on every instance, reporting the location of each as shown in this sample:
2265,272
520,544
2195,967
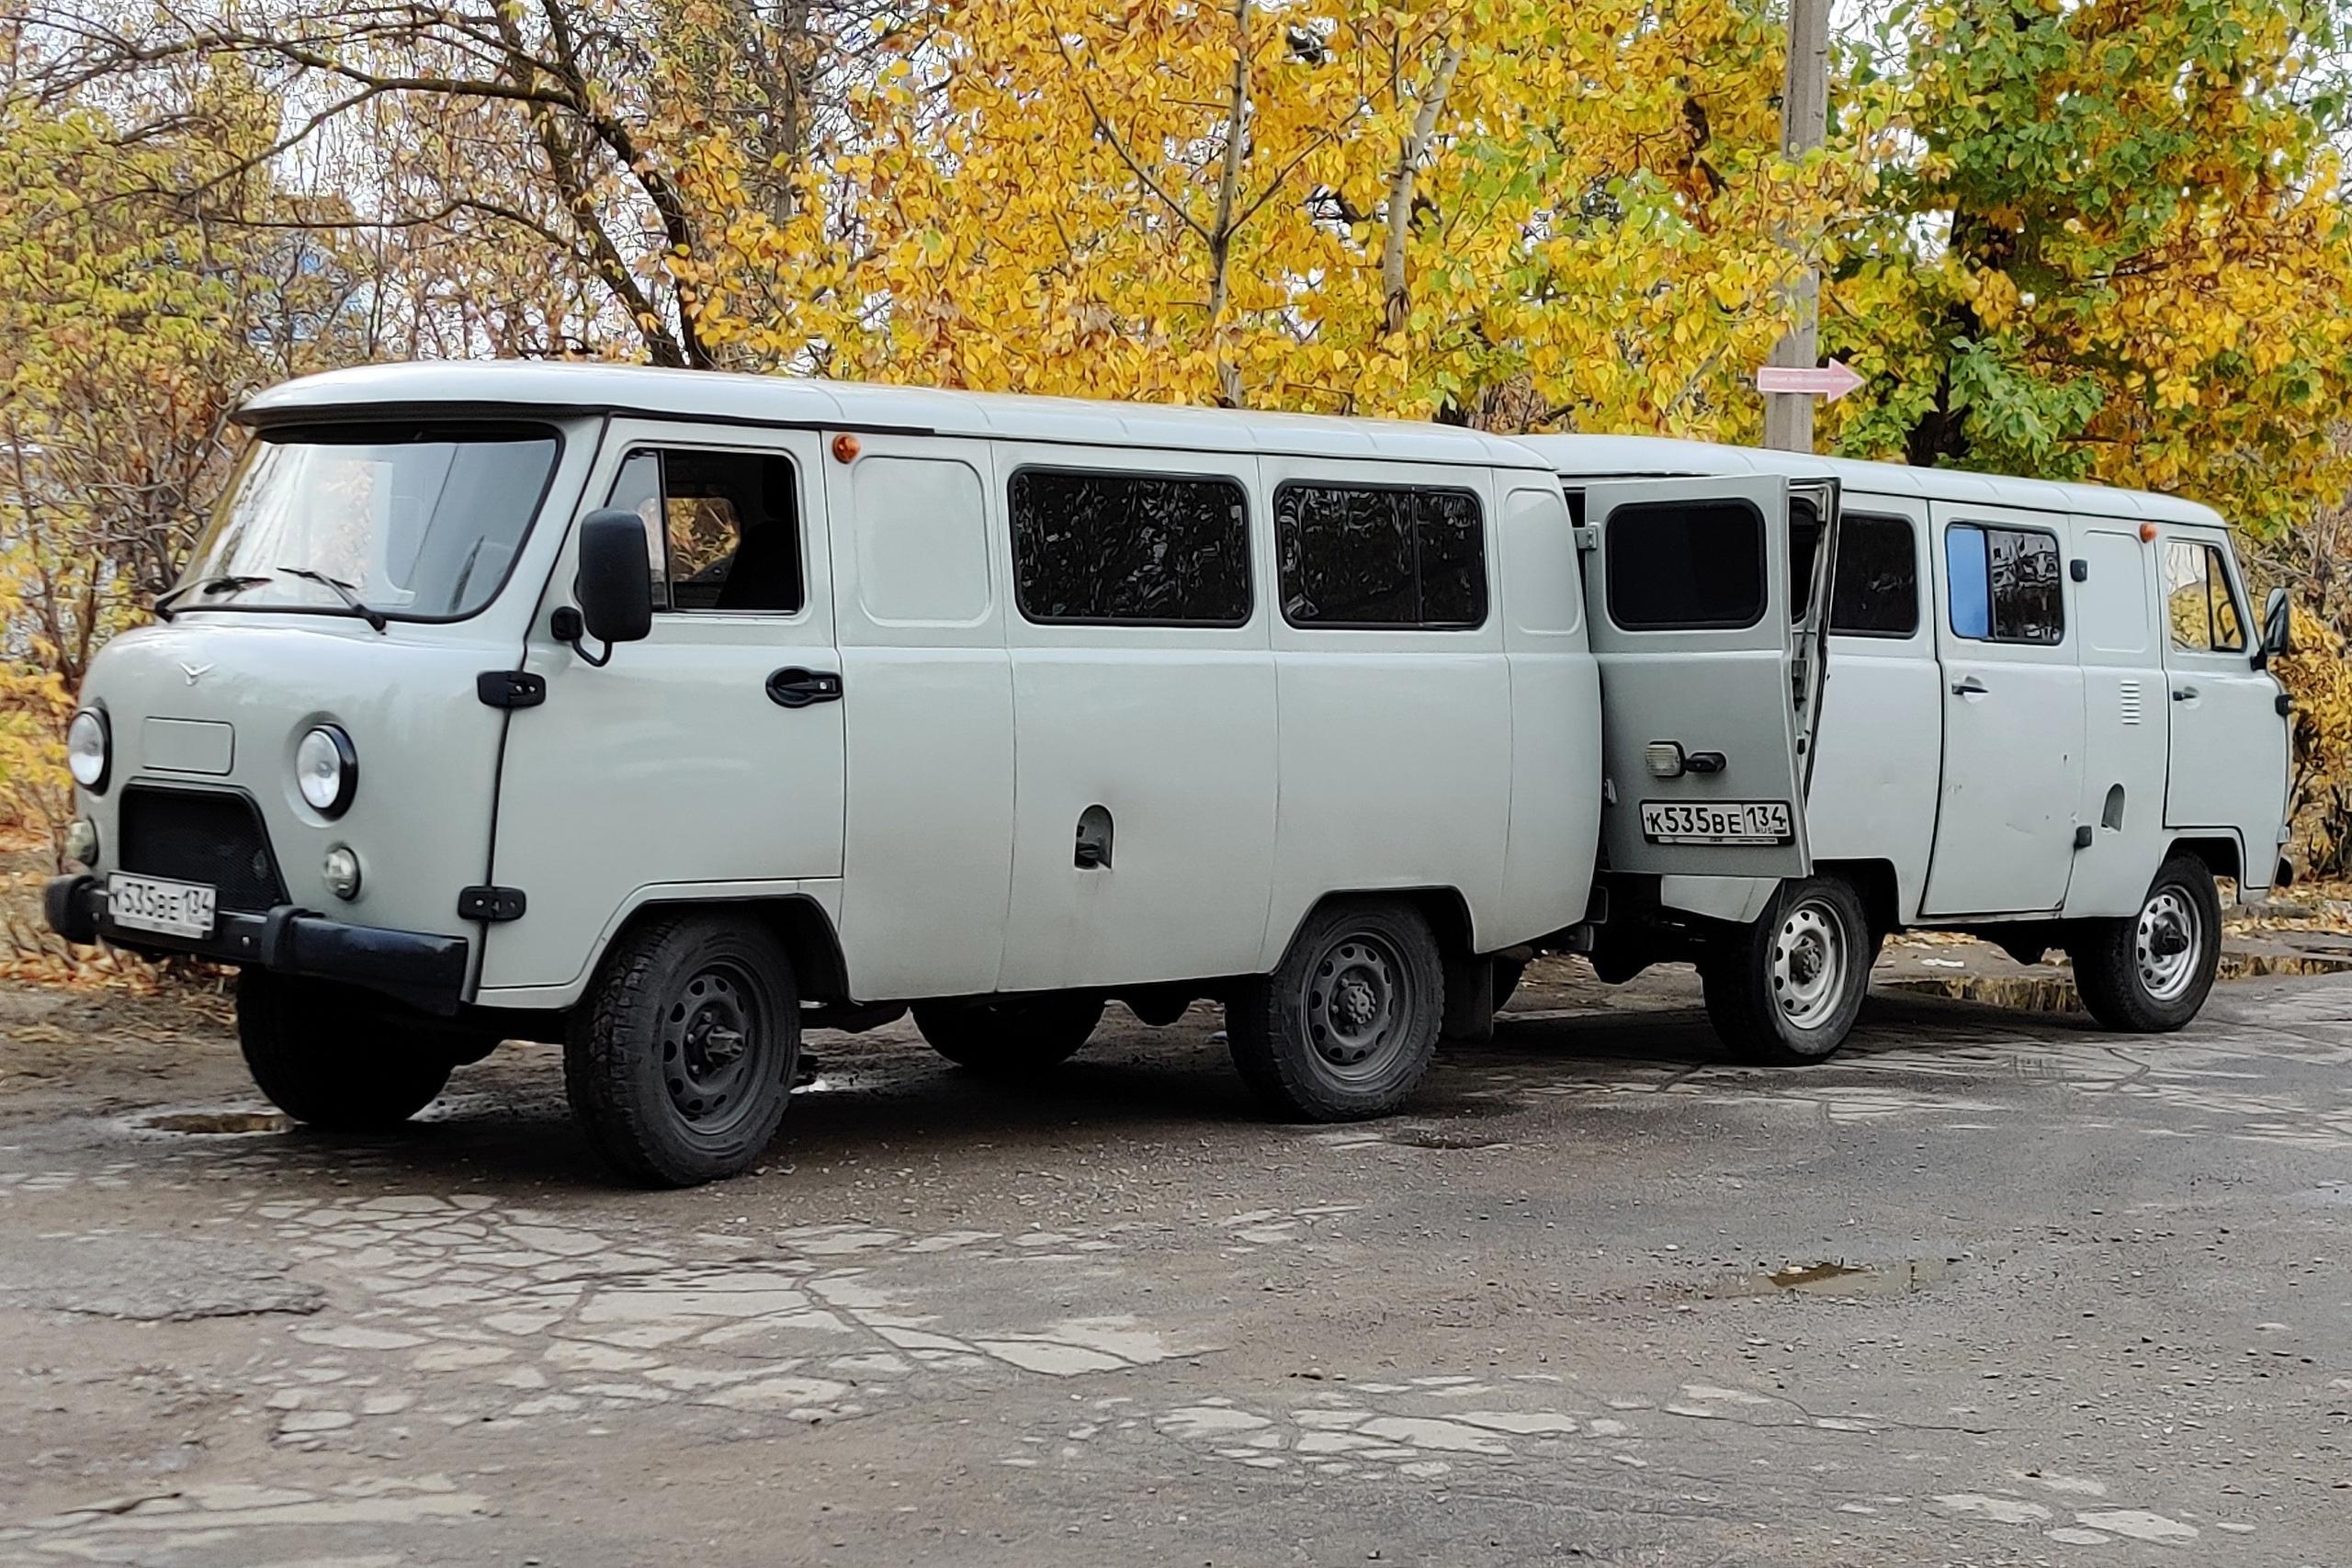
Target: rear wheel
334,1056
1348,1025
680,1058
1010,1037
1786,989
2150,972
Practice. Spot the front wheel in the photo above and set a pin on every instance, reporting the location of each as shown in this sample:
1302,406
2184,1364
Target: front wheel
2149,973
1010,1037
335,1057
679,1060
1786,989
1348,1025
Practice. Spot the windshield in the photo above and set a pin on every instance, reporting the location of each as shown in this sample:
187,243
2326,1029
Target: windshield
416,523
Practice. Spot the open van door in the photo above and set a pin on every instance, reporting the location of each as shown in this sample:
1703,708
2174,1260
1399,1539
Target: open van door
1710,686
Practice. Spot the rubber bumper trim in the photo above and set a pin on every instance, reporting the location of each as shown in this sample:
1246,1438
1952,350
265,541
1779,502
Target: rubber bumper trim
418,968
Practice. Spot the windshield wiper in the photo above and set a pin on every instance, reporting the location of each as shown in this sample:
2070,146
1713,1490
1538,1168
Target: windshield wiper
218,584
342,590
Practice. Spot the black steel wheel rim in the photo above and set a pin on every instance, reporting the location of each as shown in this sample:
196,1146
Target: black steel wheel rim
1359,1006
719,1046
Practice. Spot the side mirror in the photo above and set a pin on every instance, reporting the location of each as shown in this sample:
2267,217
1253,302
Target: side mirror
614,581
2277,622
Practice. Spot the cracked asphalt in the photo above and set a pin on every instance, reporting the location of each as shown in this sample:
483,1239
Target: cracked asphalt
1993,1287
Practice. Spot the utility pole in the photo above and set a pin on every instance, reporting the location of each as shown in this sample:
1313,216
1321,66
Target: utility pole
1804,123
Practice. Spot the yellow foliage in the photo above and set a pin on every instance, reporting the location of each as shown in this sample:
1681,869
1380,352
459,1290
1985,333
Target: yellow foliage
2318,674
1507,213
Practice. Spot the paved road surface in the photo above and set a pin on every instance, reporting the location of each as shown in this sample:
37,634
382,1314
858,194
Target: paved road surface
1991,1289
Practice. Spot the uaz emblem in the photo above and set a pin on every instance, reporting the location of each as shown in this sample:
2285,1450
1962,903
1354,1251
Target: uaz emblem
194,671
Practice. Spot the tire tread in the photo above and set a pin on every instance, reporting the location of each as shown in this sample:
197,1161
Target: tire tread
1739,1001
1273,1061
607,1033
2107,970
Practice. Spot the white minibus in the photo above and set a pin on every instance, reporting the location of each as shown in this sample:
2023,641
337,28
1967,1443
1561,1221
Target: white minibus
665,715
2048,717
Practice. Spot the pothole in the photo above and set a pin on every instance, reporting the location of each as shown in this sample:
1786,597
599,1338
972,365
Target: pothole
219,1122
1471,1107
1839,1278
1442,1138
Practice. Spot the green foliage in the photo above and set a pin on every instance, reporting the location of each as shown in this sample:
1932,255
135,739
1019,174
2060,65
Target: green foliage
2112,246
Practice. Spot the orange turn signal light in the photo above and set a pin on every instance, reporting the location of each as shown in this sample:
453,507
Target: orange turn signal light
844,448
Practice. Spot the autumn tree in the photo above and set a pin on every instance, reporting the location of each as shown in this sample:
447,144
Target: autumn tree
1503,212
127,335
2112,246
546,133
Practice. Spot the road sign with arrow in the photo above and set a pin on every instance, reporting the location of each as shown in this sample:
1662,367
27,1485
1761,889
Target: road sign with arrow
1828,382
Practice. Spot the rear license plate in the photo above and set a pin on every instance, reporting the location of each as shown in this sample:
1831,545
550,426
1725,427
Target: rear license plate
1716,822
153,904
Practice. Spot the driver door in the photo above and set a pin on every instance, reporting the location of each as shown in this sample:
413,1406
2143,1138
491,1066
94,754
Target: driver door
706,760
1709,691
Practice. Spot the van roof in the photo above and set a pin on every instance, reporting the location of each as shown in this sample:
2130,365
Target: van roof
479,387
1651,457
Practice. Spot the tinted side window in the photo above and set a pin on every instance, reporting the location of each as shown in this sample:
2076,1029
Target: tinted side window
1874,590
1381,556
1804,543
1685,565
1144,550
2198,602
721,528
2006,584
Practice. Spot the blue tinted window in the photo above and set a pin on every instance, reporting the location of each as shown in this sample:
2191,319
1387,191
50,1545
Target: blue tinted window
1971,597
2005,584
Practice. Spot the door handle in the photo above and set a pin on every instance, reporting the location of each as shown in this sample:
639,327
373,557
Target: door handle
794,687
1970,687
2184,693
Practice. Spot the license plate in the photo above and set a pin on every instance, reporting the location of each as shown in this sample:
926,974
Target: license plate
1716,822
153,904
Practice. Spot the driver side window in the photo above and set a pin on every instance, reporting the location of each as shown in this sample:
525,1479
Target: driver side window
2198,602
721,528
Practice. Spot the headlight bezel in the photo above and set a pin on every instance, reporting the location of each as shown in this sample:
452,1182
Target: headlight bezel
97,722
345,776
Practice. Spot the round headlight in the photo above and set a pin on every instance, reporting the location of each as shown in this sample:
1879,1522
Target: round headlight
326,770
88,749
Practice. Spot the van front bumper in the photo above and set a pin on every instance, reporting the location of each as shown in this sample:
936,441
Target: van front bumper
417,967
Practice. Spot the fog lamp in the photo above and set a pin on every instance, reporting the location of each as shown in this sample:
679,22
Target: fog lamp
340,869
82,842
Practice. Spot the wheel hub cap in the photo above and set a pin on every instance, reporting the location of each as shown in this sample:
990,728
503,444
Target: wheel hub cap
713,1045
1356,1006
2167,944
1810,955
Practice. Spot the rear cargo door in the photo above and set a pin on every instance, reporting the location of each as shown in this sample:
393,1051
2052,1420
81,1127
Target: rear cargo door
1707,694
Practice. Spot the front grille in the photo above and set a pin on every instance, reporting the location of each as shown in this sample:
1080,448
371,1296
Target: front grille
201,835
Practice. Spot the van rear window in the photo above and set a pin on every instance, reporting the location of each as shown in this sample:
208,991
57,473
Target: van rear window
1686,565
1136,549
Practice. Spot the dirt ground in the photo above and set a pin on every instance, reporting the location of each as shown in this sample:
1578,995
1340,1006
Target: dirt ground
1991,1288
